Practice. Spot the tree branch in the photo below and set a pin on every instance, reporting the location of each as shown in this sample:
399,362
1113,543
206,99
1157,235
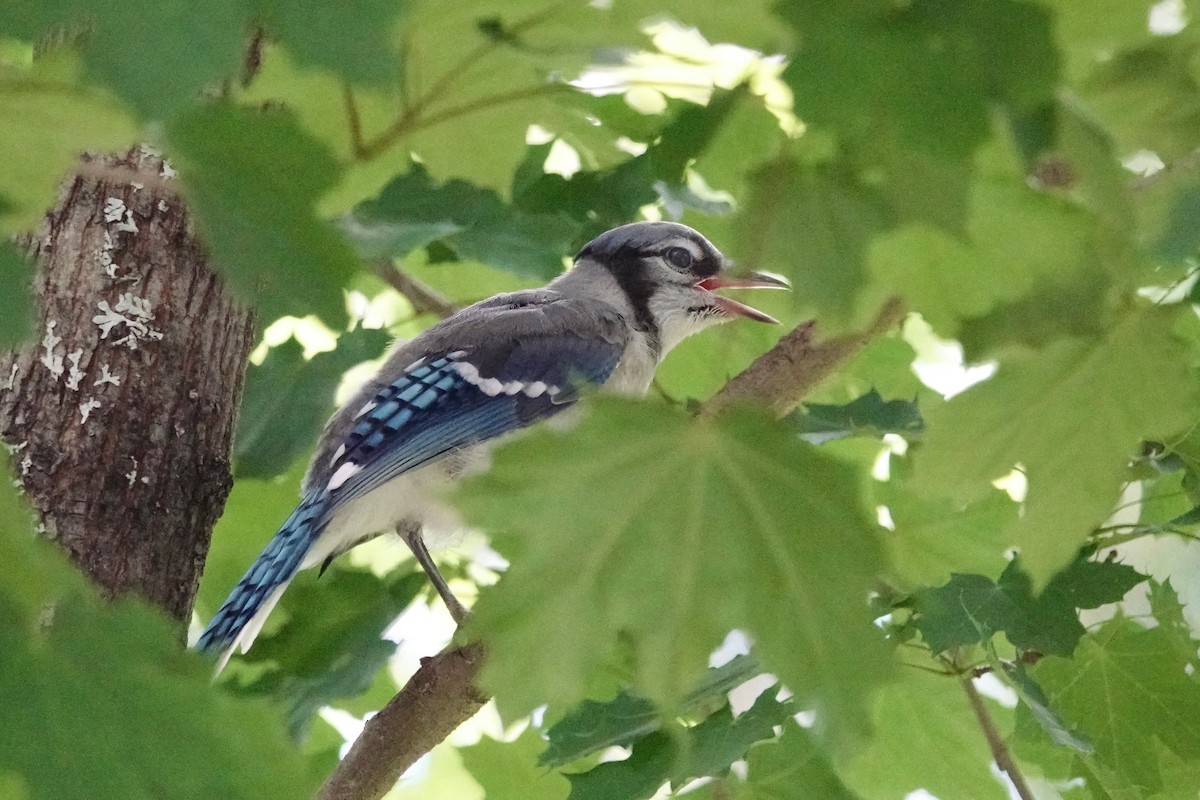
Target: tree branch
441,695
436,700
995,742
793,368
424,299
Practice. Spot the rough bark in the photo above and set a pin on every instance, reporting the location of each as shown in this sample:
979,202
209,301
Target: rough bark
120,415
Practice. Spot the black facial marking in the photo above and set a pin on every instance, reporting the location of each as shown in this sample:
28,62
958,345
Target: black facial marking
631,274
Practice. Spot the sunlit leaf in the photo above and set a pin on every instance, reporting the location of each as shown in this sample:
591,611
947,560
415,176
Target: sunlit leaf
510,770
926,738
1128,689
1030,414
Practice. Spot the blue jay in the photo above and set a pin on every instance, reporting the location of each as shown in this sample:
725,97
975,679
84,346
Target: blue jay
632,294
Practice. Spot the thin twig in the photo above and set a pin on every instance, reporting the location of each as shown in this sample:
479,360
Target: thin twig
462,110
424,299
995,742
408,123
409,119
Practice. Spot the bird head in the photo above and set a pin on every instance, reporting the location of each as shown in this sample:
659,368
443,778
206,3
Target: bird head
669,274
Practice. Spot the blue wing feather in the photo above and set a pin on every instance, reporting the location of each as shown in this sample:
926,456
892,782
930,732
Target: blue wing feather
433,409
276,565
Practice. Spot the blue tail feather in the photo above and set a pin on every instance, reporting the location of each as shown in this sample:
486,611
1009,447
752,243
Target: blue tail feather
275,566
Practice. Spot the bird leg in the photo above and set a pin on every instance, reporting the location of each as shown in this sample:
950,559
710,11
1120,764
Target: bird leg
411,534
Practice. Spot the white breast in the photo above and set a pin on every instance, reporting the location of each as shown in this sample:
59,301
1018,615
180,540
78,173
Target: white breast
416,497
636,369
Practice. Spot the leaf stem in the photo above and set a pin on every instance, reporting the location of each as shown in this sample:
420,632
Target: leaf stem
995,742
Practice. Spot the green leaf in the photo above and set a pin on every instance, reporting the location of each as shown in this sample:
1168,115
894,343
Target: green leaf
812,224
926,737
633,778
1148,97
702,750
1166,607
47,117
16,305
1181,238
1028,414
594,726
475,223
356,40
791,768
1042,316
1038,705
330,647
933,538
252,179
721,739
602,199
110,684
941,278
1128,689
510,771
869,414
1089,33
970,609
733,514
157,56
288,398
923,73
949,278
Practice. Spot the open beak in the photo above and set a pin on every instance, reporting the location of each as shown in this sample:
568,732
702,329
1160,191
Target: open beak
750,280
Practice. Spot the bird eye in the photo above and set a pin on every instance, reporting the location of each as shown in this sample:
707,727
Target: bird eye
679,257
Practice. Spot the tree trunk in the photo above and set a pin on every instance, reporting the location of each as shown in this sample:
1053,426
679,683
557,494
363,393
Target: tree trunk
120,416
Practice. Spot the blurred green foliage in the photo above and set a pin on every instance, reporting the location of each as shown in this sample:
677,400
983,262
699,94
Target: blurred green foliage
968,156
